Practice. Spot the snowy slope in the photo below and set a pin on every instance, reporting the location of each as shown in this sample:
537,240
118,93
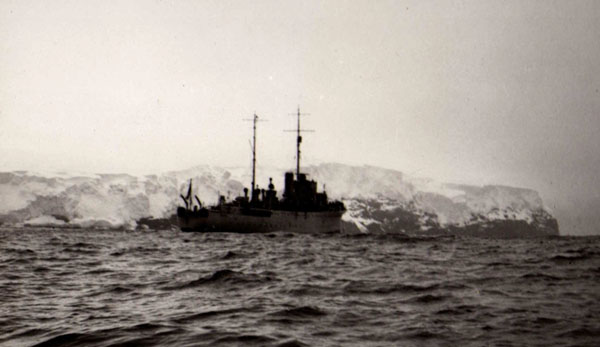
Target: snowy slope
377,199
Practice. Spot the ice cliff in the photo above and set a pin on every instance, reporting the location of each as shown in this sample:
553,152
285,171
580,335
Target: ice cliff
378,200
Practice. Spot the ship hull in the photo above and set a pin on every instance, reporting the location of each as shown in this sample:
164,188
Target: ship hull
236,220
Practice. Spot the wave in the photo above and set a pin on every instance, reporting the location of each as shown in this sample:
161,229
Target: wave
580,332
41,269
499,264
423,334
153,334
459,310
207,315
69,339
20,251
401,237
112,290
292,343
307,290
226,277
294,315
302,311
545,320
570,257
98,271
20,334
541,276
427,298
365,287
259,340
230,255
71,249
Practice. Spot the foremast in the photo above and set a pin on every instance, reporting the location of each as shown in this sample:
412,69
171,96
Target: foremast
253,189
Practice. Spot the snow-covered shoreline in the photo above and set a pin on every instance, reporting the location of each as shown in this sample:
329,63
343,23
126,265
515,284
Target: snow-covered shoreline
377,199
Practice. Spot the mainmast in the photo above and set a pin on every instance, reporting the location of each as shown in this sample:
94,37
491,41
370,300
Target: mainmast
298,138
254,151
298,141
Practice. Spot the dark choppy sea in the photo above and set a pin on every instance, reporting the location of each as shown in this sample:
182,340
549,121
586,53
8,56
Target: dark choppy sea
117,288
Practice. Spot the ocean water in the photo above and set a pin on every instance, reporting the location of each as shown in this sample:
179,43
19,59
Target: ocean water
167,288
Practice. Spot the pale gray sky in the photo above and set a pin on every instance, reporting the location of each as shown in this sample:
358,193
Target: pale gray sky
478,92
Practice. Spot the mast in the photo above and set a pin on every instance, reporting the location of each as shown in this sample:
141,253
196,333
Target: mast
254,120
298,141
254,152
298,130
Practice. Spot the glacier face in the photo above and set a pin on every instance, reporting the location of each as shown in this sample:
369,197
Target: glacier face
378,200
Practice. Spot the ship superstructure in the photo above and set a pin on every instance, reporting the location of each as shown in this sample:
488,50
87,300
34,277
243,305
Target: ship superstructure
302,207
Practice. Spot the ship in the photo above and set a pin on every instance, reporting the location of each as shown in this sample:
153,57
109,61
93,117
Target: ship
301,208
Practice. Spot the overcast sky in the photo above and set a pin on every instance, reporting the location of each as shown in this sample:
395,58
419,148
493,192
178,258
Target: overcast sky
479,92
